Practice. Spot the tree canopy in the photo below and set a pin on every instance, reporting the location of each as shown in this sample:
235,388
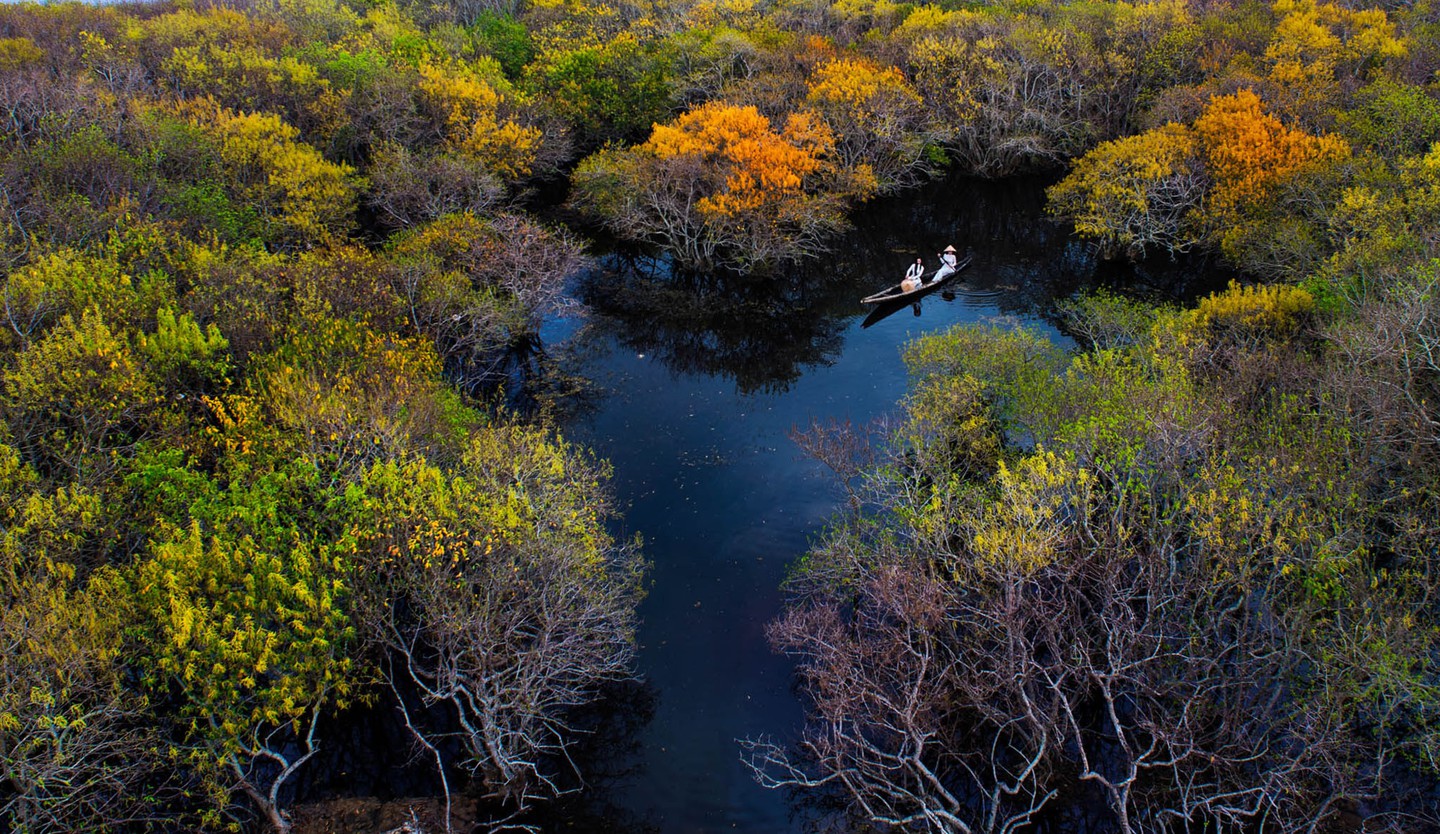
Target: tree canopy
266,266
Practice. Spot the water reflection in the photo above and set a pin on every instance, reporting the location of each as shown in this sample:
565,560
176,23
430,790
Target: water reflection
698,381
764,332
373,760
761,333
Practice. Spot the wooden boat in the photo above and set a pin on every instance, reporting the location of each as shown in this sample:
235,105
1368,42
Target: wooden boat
895,293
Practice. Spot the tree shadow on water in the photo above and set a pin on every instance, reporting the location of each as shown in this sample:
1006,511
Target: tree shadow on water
763,331
760,332
606,752
374,771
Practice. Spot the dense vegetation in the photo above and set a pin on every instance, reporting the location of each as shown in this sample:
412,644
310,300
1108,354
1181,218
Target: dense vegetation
1187,574
250,479
265,262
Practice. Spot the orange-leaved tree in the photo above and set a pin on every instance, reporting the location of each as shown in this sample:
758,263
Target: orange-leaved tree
1238,177
1247,150
1258,165
721,185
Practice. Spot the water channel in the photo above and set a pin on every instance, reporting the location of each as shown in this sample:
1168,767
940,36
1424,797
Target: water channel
695,384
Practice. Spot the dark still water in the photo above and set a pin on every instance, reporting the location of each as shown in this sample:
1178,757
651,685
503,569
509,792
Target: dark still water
697,383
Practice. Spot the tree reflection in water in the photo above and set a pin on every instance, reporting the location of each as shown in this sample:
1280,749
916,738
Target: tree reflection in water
378,760
763,331
760,332
720,533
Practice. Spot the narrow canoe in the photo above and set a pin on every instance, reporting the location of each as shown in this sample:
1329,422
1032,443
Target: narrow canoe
894,293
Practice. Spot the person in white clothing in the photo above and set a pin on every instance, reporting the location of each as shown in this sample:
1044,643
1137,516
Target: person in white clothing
947,263
914,276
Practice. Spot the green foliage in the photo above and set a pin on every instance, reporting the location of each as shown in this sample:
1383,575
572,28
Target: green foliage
949,429
180,352
65,283
253,638
1105,320
252,641
613,91
1394,119
1014,367
351,70
506,40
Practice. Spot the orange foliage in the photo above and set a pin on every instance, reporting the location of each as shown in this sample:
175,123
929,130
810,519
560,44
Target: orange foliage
759,164
1248,151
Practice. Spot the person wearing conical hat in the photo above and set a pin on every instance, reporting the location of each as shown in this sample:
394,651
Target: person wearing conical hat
948,263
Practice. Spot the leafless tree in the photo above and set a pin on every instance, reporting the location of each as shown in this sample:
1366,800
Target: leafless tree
888,721
78,752
408,189
506,664
973,648
492,641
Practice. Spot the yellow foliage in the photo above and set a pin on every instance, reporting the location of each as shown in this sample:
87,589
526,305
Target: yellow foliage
739,14
220,607
1253,518
572,24
518,492
928,20
1022,530
308,197
460,97
246,78
65,282
1274,310
215,25
469,106
346,393
855,84
18,52
1313,40
1134,192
